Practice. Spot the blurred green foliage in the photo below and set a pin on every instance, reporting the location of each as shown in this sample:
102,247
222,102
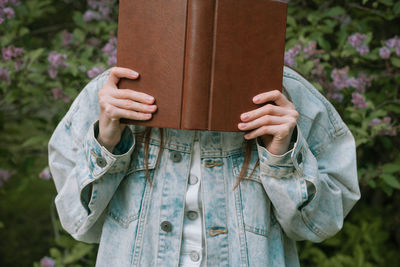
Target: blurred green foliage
336,45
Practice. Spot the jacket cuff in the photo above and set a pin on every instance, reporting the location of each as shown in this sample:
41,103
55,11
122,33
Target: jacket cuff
281,166
100,160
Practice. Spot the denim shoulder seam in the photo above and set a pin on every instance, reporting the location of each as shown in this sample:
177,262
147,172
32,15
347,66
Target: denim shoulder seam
338,126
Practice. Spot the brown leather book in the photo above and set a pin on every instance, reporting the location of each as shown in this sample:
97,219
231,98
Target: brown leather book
202,60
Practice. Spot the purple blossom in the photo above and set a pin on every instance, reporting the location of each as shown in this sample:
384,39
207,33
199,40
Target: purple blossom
91,15
361,82
340,79
310,50
56,62
358,100
5,176
1,19
111,50
393,42
9,12
93,41
4,75
45,174
93,72
11,52
375,122
47,262
384,52
357,41
59,94
388,129
67,38
291,54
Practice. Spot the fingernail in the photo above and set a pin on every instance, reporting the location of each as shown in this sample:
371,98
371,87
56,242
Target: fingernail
255,99
245,116
134,73
150,98
241,125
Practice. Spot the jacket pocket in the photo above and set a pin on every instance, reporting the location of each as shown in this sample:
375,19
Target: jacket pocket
255,204
126,203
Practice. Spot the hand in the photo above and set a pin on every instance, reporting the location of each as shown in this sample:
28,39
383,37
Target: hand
273,123
120,103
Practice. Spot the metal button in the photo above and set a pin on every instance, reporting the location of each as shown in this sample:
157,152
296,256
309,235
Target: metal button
194,256
101,162
193,179
192,215
166,226
176,156
299,158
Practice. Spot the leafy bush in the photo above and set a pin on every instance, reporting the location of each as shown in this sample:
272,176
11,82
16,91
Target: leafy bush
350,51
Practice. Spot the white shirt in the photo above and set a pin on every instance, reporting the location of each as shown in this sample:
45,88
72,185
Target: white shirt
192,251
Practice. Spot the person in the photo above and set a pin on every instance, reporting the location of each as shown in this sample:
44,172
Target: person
170,197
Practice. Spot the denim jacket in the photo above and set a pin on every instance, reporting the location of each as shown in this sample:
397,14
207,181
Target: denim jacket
303,194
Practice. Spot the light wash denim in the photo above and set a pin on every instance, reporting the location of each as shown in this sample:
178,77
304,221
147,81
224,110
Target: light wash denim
302,195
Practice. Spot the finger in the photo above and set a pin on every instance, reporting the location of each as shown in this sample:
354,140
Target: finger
118,73
132,95
132,105
268,109
264,120
266,129
273,96
115,113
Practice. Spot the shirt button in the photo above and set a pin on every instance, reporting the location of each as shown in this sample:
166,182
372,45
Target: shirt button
193,179
176,156
166,226
192,215
101,162
194,256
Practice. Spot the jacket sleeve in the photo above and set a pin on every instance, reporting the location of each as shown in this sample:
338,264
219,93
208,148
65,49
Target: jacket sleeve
85,173
311,194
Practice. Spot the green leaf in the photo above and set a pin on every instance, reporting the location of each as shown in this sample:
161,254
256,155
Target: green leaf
391,168
395,61
396,8
391,180
334,11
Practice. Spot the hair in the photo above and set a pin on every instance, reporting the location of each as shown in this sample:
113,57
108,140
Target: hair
247,147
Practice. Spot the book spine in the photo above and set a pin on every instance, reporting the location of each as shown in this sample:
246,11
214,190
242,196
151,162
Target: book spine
198,60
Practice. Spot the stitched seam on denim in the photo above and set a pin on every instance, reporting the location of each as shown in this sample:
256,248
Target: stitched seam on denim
332,140
329,107
256,230
120,220
240,222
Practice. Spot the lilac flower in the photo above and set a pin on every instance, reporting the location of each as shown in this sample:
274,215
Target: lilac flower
5,175
357,41
47,262
291,54
384,52
56,62
67,38
393,42
59,94
361,82
340,79
310,50
45,174
91,15
5,76
13,53
375,122
111,50
1,19
358,100
93,72
9,12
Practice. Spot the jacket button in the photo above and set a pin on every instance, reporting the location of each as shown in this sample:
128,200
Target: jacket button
101,162
194,256
299,158
192,215
176,156
166,226
193,179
